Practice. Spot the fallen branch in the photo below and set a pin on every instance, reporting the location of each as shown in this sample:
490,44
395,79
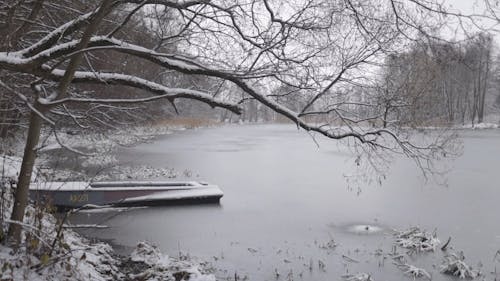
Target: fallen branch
446,244
349,259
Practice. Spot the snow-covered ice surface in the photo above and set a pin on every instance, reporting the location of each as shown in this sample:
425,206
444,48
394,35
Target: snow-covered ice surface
364,228
285,199
287,209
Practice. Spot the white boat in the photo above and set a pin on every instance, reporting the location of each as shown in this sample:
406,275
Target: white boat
124,193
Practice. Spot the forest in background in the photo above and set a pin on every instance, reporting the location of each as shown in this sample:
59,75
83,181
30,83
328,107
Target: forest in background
441,83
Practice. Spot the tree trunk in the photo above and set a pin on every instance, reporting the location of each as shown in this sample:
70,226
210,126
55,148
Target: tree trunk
386,112
482,96
23,184
22,190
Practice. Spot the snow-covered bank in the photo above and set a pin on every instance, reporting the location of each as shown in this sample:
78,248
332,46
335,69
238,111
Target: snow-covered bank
468,126
479,126
97,162
49,252
103,141
80,259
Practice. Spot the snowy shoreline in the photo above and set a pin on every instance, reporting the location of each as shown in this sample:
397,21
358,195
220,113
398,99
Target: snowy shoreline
46,255
81,259
98,161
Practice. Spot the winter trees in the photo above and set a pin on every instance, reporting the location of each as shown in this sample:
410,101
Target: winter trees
316,49
440,82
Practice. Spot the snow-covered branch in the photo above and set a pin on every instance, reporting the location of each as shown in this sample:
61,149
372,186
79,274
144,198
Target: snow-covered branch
191,67
129,80
293,62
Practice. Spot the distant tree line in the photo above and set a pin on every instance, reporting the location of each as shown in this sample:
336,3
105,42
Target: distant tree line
440,83
436,83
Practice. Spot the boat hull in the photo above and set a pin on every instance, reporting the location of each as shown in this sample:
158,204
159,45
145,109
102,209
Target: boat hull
123,194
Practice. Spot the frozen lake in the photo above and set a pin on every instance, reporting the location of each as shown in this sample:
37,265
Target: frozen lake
286,199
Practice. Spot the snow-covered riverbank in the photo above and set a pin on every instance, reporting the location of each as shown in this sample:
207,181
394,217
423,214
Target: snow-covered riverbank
49,253
84,157
77,258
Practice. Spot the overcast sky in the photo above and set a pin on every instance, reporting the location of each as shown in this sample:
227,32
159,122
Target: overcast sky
468,7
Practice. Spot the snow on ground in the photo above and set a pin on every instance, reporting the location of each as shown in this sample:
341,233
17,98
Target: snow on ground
72,257
136,173
163,267
474,126
99,162
10,166
480,126
43,255
110,173
98,165
103,141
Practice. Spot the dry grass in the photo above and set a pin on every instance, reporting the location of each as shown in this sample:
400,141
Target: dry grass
186,122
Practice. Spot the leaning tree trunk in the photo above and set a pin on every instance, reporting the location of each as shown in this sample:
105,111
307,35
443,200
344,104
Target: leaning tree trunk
23,184
22,190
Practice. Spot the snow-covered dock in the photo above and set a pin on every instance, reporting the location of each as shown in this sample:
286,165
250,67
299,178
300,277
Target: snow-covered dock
124,193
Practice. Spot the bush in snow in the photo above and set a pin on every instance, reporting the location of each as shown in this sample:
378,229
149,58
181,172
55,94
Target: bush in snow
454,264
417,240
